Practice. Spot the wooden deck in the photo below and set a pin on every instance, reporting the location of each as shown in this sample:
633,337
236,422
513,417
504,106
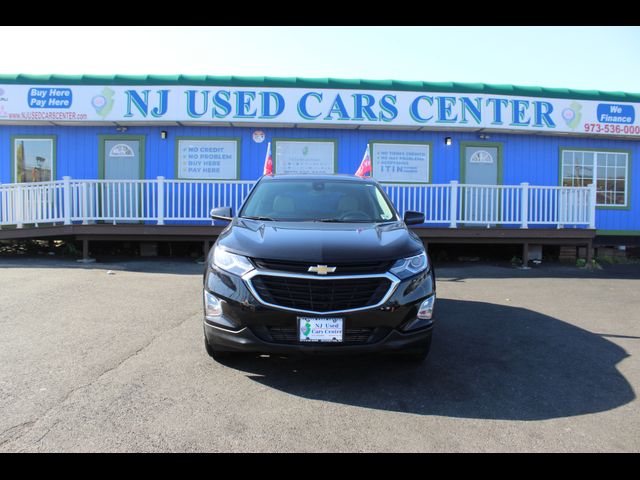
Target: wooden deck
579,237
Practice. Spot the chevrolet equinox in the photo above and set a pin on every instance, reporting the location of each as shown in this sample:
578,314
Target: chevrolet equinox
318,264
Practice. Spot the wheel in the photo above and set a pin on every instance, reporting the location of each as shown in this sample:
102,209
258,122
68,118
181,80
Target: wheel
418,354
215,354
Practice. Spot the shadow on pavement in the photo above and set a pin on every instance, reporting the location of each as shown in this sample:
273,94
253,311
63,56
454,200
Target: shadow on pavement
487,361
459,272
177,266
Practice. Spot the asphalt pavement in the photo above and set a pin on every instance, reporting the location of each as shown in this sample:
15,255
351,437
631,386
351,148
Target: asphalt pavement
109,357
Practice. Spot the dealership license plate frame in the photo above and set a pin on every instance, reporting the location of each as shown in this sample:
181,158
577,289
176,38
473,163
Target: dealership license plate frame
321,337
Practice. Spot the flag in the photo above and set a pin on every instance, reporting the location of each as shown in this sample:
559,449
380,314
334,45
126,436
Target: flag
268,163
365,165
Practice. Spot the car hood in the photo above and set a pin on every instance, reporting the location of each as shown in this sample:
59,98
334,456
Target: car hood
319,242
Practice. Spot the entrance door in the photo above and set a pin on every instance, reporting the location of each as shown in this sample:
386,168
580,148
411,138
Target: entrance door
481,165
122,158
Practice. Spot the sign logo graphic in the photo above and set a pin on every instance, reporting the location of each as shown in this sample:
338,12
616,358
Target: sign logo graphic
258,136
103,103
322,269
306,328
572,115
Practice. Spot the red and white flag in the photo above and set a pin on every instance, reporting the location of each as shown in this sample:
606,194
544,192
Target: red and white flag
268,163
365,165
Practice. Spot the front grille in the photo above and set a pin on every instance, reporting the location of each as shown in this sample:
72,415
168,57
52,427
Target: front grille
351,335
321,295
342,268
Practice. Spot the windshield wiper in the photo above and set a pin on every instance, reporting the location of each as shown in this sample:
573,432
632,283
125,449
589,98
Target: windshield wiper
340,220
268,219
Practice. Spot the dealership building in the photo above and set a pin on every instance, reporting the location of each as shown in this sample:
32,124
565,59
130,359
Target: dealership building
146,157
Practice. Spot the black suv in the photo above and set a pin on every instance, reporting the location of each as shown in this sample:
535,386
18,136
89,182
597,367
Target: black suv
318,264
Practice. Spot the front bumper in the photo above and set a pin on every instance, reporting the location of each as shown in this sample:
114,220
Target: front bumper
244,340
248,325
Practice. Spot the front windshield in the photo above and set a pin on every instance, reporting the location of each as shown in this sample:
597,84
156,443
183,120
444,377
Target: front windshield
318,200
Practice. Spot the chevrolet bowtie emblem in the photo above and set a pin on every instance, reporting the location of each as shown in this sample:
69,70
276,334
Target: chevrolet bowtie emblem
322,269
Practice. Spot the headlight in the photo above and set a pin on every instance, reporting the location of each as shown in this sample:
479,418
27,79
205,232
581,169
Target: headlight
425,312
213,312
212,307
424,316
230,262
407,267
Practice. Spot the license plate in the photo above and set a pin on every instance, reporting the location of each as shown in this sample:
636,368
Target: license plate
314,329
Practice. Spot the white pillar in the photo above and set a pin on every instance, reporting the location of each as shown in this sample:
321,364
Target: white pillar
453,203
160,207
19,205
83,191
66,192
592,205
524,205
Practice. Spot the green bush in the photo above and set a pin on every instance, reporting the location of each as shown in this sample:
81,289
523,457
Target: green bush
70,249
614,260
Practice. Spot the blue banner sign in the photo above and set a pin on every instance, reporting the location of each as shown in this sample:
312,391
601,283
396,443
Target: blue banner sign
50,97
613,113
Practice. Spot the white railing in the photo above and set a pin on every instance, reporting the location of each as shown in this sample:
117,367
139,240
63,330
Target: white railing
113,200
490,205
187,201
432,199
32,203
180,194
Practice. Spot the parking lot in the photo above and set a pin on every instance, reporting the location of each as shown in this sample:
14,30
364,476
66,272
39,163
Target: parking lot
522,360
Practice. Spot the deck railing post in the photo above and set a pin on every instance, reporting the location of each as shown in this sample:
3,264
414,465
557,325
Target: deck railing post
592,205
160,208
83,202
66,195
524,204
453,203
18,205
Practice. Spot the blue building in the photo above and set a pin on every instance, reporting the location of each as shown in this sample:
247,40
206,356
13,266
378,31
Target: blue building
162,150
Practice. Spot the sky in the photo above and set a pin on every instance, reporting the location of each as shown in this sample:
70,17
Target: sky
601,58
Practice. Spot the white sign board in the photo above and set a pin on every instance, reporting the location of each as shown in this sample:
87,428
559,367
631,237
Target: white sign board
400,162
304,157
207,159
24,103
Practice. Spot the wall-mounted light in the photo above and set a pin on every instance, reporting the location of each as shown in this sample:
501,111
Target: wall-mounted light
448,141
483,136
121,129
163,134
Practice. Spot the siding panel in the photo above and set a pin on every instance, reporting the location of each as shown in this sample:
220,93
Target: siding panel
526,158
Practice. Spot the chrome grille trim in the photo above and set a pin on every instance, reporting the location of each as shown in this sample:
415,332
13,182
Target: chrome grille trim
395,281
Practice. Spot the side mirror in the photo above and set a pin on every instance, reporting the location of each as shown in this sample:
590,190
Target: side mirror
221,213
413,218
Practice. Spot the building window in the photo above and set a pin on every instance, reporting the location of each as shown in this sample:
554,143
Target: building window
609,170
33,159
